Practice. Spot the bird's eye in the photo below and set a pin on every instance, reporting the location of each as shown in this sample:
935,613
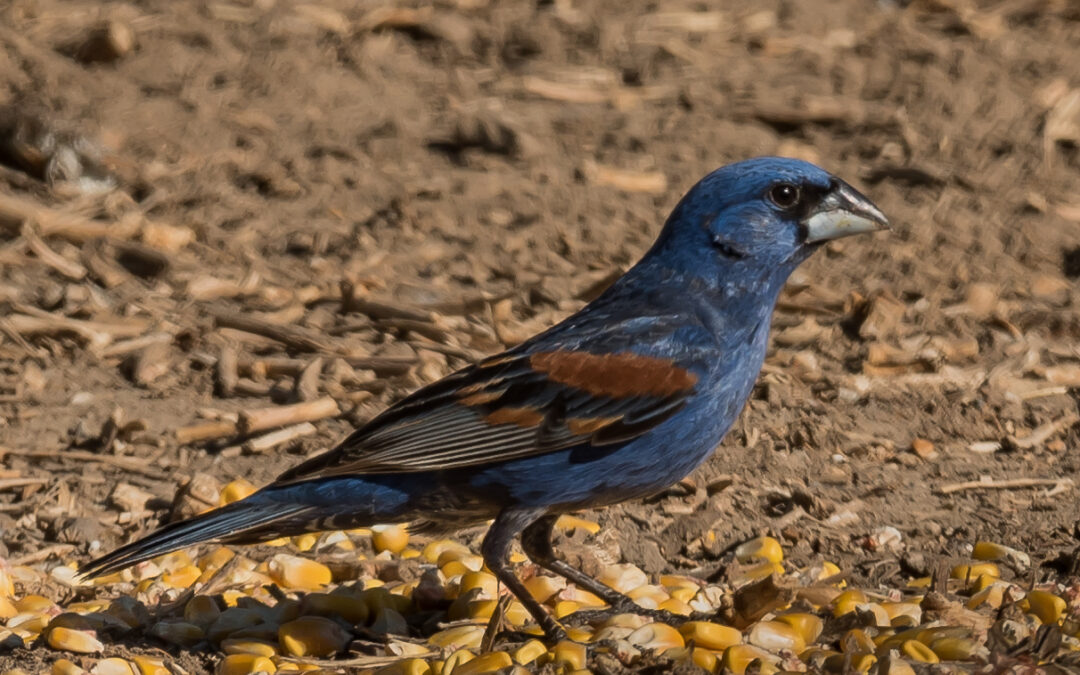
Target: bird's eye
784,195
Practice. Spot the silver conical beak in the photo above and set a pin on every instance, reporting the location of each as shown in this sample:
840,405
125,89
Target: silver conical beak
843,211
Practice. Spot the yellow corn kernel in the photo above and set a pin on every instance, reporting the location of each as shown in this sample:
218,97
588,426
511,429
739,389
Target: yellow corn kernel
683,594
305,542
760,548
516,614
434,550
676,607
485,581
541,588
895,609
808,626
312,636
7,609
487,663
406,667
292,572
245,664
65,667
776,635
585,598
569,655
458,637
657,636
567,522
7,584
955,649
706,659
70,640
180,633
33,603
972,572
846,602
216,559
920,582
112,666
710,635
393,538
829,569
182,578
737,658
1047,606
623,578
455,661
985,550
991,596
150,665
565,608
856,641
529,652
248,646
917,651
580,634
352,609
454,568
235,491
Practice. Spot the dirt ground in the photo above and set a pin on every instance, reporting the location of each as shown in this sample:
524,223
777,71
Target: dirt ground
200,199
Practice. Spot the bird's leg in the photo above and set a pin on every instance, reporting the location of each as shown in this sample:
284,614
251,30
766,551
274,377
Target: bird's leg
495,550
536,542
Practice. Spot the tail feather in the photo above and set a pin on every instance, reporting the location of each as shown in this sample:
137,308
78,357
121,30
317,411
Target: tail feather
245,521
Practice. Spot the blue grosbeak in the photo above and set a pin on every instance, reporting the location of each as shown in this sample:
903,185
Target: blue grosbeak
620,400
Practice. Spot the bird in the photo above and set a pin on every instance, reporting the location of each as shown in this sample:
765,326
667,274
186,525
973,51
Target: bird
620,400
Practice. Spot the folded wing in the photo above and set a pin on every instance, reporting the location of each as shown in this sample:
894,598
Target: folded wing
512,406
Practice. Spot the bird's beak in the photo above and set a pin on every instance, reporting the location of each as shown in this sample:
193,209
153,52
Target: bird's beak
842,212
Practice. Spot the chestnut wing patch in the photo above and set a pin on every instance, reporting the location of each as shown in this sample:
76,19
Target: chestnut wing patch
509,407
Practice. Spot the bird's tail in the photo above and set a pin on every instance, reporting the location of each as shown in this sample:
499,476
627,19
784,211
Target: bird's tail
247,521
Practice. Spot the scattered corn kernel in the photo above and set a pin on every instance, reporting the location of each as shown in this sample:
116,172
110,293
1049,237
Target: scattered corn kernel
710,635
985,550
455,661
529,652
568,522
458,637
235,491
1047,606
70,640
776,635
623,578
847,601
955,649
293,572
406,667
65,667
657,636
737,658
245,664
569,654
487,663
917,651
312,636
393,538
542,587
974,571
150,665
248,646
808,626
760,548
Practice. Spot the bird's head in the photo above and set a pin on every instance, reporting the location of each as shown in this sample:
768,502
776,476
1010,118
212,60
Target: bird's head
760,218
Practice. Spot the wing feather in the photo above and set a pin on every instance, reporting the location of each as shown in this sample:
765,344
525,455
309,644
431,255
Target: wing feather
509,407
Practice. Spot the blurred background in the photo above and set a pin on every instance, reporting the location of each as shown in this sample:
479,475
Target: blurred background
210,210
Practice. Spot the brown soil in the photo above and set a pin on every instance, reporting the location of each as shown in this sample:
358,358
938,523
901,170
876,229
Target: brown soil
483,168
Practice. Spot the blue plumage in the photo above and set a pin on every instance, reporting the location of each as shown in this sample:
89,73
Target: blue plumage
618,401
